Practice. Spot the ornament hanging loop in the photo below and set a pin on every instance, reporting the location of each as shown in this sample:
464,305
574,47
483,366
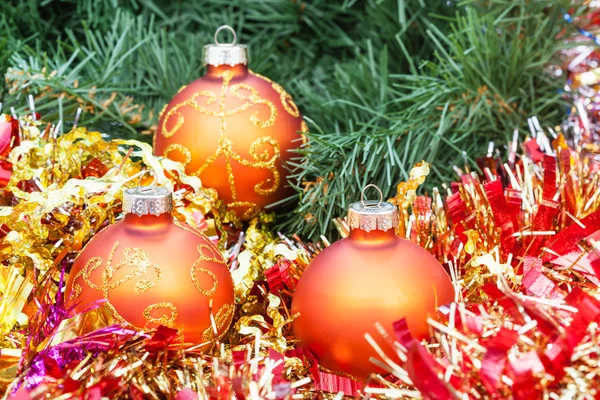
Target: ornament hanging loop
231,53
230,29
150,199
362,196
150,187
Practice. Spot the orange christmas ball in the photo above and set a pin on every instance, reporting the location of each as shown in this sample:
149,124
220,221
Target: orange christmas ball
371,276
152,270
234,129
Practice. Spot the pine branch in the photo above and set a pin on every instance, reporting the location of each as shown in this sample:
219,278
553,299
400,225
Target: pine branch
383,83
486,77
119,77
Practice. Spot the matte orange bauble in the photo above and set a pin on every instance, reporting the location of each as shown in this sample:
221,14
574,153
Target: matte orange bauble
371,276
234,129
152,270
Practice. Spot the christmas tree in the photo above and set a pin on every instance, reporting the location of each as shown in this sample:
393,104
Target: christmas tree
383,84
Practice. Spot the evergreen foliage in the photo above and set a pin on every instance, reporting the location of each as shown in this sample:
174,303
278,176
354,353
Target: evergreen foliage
383,83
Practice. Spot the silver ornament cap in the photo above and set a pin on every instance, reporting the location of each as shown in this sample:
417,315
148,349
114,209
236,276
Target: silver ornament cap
225,53
370,215
147,200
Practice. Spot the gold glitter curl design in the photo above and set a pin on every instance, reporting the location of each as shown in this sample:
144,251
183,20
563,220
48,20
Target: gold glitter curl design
208,253
221,318
180,148
251,209
253,97
265,159
164,319
285,98
138,262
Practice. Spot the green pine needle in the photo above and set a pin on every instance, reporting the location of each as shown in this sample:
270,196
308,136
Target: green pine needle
383,84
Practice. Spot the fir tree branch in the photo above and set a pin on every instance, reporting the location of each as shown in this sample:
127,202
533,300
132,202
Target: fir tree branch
383,83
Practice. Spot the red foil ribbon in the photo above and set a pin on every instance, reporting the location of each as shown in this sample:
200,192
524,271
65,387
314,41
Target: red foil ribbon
505,301
457,211
565,161
471,323
425,373
557,356
570,193
187,394
422,369
9,138
162,338
512,307
421,212
329,382
494,360
94,168
279,277
550,188
543,221
514,201
402,333
333,383
536,283
566,242
278,370
521,372
547,208
502,219
532,149
9,135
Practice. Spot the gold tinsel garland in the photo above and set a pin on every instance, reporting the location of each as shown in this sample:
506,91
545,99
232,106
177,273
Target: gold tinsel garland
518,241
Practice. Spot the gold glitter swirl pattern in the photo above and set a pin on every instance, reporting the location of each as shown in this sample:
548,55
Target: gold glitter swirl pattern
266,159
226,144
253,97
215,282
211,98
165,319
221,319
208,253
191,102
213,253
286,100
304,130
178,124
92,264
162,111
252,209
135,260
181,149
261,76
303,127
76,289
